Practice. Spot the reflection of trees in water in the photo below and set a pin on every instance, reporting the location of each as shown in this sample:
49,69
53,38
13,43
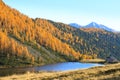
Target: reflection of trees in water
11,71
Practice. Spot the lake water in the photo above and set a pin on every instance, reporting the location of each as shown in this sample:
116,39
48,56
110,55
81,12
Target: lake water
52,67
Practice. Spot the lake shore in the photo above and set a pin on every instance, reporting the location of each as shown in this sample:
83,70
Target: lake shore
101,61
98,60
107,72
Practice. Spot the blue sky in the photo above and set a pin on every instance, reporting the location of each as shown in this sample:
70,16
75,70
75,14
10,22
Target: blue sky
105,12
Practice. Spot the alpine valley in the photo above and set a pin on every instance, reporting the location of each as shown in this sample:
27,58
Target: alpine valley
26,41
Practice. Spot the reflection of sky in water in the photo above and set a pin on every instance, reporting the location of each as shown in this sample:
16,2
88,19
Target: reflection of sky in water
52,67
66,66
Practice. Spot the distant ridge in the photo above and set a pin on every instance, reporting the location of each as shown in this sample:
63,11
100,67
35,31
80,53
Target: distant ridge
92,25
75,25
100,26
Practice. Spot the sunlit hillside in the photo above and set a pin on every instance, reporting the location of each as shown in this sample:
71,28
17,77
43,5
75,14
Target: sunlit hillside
44,41
40,43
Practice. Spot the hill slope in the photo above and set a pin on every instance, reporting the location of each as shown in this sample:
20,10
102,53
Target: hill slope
44,47
90,40
39,41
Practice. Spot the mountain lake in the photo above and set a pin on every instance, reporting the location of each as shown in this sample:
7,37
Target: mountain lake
65,66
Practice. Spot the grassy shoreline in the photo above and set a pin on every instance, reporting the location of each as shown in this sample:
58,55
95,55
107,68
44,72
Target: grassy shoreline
82,61
107,72
98,60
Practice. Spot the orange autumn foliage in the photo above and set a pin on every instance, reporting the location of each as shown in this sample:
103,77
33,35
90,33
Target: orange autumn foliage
36,31
12,48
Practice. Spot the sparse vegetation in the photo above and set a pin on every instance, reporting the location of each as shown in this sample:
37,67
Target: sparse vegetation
93,60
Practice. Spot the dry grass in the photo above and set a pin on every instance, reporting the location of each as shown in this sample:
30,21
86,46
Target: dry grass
108,72
93,60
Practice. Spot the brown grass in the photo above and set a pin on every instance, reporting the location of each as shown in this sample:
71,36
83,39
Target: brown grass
108,72
93,60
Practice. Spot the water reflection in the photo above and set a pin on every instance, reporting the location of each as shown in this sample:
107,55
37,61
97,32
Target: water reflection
52,67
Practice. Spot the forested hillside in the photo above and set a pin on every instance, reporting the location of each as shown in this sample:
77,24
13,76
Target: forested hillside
90,40
28,37
27,41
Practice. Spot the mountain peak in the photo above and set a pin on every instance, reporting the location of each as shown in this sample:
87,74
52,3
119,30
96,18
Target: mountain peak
74,25
93,23
96,25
